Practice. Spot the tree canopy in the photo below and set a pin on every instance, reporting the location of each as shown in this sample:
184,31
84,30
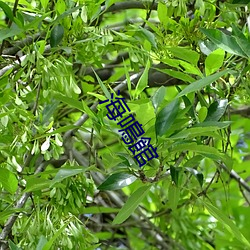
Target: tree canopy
124,124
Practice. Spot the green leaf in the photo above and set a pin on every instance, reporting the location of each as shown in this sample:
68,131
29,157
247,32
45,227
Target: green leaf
223,41
193,132
202,114
186,54
173,196
166,117
216,110
9,211
132,203
214,61
98,210
197,85
41,243
227,223
70,101
158,97
34,183
9,32
49,244
66,172
143,81
117,181
147,35
7,10
174,172
244,45
13,246
162,12
177,74
219,125
198,175
104,89
44,3
8,180
204,150
49,110
56,35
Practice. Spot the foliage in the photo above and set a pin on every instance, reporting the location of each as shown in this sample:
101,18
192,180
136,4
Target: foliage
67,179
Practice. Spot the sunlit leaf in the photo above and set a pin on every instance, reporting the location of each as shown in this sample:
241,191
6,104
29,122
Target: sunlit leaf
173,196
143,81
131,204
117,181
214,61
8,180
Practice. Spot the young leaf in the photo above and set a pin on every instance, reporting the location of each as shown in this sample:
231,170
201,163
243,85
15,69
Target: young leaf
173,196
70,101
186,54
49,244
143,81
132,203
104,89
214,61
166,117
162,12
117,181
56,35
8,180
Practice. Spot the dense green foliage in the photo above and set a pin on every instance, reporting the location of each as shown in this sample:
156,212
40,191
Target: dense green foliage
67,179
